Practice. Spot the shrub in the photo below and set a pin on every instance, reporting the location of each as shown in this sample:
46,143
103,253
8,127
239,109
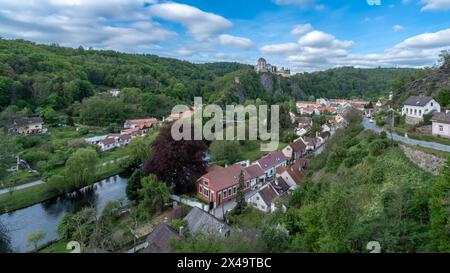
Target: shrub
377,147
377,174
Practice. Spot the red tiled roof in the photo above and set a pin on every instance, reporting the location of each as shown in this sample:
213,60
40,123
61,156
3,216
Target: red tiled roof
255,171
298,146
268,194
223,178
271,160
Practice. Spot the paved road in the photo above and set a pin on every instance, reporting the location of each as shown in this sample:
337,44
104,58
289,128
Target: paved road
24,186
432,145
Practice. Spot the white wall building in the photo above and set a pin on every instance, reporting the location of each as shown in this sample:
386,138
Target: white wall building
415,107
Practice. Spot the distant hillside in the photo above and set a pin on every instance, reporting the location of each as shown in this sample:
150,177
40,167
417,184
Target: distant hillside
34,77
431,82
350,82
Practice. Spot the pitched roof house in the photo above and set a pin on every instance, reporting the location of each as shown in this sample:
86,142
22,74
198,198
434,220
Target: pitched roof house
159,240
140,123
264,199
271,161
27,126
441,124
293,175
201,221
220,184
416,106
298,147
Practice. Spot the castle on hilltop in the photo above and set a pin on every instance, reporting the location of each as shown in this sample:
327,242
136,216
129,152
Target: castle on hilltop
263,67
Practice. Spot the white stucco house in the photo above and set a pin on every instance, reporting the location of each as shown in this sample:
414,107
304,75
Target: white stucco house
441,124
264,199
415,107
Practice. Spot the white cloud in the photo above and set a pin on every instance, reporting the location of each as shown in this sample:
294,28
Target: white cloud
427,40
234,41
201,25
397,28
83,22
281,49
323,40
431,5
301,29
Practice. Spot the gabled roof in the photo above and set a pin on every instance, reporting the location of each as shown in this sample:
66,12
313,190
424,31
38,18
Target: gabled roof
271,160
223,178
254,171
298,146
159,240
28,121
417,101
201,221
441,117
268,194
281,185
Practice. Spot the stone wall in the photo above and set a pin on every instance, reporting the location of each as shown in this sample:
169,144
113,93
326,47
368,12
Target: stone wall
426,161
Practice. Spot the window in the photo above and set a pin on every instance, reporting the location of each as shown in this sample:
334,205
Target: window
229,192
200,189
248,184
420,112
234,190
257,198
225,194
415,111
431,104
441,128
205,182
206,192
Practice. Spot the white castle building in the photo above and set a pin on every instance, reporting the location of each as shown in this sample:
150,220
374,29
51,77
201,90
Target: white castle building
263,67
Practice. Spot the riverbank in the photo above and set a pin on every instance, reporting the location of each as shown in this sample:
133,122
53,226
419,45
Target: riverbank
30,196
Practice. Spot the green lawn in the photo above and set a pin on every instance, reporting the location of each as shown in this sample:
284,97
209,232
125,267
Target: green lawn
18,178
430,138
56,247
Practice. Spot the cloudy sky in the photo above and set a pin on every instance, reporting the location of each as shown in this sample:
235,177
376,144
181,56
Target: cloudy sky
305,35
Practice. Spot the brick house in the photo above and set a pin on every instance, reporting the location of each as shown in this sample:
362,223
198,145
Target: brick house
220,184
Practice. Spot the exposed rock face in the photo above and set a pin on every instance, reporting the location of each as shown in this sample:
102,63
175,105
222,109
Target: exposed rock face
267,82
426,161
430,83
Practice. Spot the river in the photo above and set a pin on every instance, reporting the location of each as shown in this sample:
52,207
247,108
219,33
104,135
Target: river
16,226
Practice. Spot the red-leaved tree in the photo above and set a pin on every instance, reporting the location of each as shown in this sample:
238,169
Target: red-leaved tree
178,163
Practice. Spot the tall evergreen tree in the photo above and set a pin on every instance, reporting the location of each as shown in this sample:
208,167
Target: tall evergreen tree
240,195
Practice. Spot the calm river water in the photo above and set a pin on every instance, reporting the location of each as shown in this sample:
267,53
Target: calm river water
16,226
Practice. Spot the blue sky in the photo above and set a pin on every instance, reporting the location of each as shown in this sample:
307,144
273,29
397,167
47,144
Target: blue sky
304,35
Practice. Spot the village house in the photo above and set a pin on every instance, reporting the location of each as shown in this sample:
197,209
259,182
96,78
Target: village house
322,137
295,150
257,176
415,107
200,221
27,126
142,124
220,184
175,117
270,162
441,124
159,240
264,199
114,141
310,143
293,174
95,140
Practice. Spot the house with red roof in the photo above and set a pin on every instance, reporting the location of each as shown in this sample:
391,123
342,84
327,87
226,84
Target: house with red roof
270,162
141,124
295,150
220,184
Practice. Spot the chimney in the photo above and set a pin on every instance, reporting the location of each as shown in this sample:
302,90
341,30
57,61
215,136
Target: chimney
181,232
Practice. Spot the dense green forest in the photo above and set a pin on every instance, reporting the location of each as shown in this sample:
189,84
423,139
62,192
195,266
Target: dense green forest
67,85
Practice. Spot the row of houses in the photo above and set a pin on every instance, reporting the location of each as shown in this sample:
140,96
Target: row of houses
330,106
132,129
274,175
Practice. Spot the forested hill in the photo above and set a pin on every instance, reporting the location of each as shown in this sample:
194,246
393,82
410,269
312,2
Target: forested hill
350,82
55,78
433,82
